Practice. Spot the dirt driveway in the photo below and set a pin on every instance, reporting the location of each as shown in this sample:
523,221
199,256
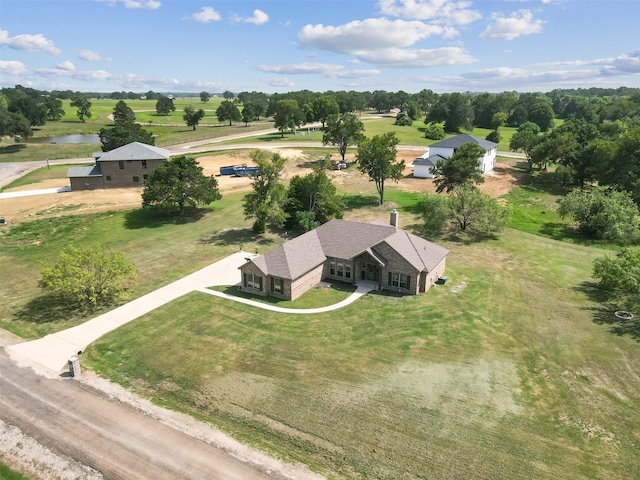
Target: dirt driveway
16,210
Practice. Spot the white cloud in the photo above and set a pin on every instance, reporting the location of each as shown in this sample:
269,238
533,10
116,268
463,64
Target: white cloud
66,66
29,43
279,82
515,25
258,18
91,56
324,69
440,11
417,58
206,15
13,68
369,34
134,4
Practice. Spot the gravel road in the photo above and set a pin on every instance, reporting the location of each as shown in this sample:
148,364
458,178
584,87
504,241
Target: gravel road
107,435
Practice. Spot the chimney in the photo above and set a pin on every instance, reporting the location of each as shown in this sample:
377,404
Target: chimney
394,218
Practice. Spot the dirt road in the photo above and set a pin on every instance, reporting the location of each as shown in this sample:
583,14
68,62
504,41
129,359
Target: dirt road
77,421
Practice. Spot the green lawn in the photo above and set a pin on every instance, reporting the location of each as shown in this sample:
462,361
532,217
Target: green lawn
502,373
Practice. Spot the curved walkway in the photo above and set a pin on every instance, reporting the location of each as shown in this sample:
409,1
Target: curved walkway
54,350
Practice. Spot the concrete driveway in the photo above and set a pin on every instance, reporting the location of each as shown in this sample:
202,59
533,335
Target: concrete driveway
54,350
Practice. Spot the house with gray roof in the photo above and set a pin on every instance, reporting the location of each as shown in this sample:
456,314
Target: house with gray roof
446,148
123,167
350,252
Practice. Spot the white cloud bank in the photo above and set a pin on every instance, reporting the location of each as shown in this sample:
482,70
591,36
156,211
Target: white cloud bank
513,26
29,43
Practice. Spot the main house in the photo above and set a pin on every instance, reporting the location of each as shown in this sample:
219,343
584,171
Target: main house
350,252
123,167
444,149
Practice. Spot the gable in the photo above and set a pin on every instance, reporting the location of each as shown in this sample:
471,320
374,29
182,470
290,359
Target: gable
459,140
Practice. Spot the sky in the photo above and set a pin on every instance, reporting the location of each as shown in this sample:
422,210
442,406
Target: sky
270,46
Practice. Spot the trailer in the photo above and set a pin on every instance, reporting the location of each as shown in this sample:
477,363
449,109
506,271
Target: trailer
231,169
245,171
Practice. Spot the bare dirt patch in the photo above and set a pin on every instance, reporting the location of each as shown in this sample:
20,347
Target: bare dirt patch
16,210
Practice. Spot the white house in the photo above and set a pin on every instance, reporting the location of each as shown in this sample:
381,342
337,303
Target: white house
445,149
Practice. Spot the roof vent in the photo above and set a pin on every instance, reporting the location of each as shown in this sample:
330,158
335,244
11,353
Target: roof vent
394,218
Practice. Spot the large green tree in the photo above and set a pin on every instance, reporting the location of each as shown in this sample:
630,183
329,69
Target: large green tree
454,109
621,170
312,200
179,183
265,203
288,115
83,106
342,131
192,116
14,124
460,169
125,130
474,210
603,215
525,138
54,108
164,105
88,276
228,111
376,157
205,97
323,107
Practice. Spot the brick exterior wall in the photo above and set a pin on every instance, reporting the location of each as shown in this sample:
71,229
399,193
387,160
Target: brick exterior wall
87,183
397,264
306,281
124,177
252,269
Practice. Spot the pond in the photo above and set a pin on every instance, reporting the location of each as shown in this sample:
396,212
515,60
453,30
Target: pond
78,138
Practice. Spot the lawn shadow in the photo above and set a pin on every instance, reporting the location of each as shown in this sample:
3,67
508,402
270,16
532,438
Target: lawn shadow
236,236
156,217
10,149
604,313
355,202
48,308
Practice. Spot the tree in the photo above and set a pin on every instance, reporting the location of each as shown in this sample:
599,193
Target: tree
403,120
455,110
343,130
178,183
376,157
54,108
323,107
228,95
88,276
622,169
433,131
192,116
312,200
288,115
603,215
266,202
84,106
248,113
123,113
124,130
460,169
621,273
228,110
27,102
471,208
14,124
204,97
435,214
526,137
164,105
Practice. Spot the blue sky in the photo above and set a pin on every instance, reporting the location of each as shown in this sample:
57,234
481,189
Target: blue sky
319,45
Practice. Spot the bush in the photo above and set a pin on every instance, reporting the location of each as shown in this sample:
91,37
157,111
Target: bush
403,120
494,136
434,131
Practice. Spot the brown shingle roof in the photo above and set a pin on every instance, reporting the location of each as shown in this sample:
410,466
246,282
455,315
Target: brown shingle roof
135,151
346,240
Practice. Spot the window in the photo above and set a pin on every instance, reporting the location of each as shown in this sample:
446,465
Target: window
145,177
144,164
136,179
332,267
252,281
340,269
121,164
347,271
108,178
399,280
277,285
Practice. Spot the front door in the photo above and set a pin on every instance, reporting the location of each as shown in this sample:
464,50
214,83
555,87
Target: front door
372,272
